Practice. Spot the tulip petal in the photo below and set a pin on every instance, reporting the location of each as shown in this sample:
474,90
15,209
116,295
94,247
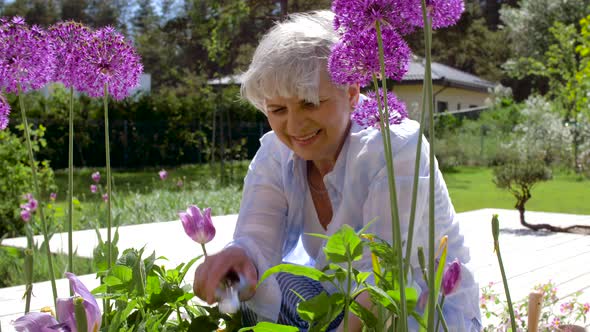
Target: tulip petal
34,322
93,314
451,278
195,212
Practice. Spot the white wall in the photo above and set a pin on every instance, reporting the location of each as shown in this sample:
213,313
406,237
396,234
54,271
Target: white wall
456,98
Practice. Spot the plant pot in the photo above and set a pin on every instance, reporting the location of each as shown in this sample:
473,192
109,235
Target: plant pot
571,328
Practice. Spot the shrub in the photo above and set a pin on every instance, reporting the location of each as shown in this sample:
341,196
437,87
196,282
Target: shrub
15,177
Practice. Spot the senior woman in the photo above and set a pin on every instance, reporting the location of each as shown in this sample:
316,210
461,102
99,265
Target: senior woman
316,171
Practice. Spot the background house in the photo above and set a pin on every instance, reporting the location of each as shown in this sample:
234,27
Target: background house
454,90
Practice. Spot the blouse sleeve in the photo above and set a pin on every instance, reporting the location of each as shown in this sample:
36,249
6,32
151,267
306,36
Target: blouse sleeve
260,228
461,307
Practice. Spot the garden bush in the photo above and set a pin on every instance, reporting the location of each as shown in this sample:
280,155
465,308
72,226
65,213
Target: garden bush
15,177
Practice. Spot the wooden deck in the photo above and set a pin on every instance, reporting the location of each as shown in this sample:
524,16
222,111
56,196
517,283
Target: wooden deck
529,257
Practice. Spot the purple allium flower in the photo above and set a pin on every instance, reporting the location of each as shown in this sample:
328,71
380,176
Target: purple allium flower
163,174
198,226
451,278
31,204
4,112
360,15
355,58
109,58
53,196
25,215
179,183
366,112
26,56
105,197
95,177
93,188
444,13
69,38
65,307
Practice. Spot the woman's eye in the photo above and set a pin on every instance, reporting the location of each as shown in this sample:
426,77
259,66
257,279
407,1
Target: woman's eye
310,105
277,110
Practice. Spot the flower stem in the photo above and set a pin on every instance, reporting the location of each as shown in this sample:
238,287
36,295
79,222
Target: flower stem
409,243
29,267
441,317
109,189
496,234
431,199
395,223
71,188
204,250
347,298
80,314
37,193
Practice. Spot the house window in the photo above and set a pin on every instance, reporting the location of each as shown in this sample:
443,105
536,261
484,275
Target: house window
458,106
473,106
442,106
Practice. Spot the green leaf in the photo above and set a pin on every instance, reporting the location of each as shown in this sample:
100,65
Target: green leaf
123,273
298,270
343,245
321,236
315,308
379,296
362,277
411,297
270,327
365,315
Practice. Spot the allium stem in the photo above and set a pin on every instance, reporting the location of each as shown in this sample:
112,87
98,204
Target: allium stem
71,188
409,242
109,189
37,192
29,267
432,296
395,223
496,235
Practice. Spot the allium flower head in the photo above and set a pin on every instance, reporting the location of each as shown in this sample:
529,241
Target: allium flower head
68,39
163,174
444,13
4,113
93,188
53,196
360,15
366,112
355,58
26,56
108,58
105,197
198,226
95,177
451,278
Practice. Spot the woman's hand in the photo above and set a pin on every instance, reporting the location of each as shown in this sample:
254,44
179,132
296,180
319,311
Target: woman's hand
216,268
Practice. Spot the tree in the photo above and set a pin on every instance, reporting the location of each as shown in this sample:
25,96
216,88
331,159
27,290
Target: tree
74,10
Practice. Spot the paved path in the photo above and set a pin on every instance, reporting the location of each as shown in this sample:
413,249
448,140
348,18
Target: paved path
530,257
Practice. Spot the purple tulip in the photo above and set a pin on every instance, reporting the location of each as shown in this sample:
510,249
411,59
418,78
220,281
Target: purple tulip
96,177
36,321
25,215
163,174
42,322
451,278
33,205
93,188
105,197
53,196
198,226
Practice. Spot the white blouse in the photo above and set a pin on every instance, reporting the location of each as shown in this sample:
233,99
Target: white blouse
277,209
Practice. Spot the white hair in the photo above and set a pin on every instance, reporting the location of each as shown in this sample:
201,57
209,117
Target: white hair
289,59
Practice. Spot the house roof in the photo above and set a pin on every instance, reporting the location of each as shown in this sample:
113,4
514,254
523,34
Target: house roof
441,74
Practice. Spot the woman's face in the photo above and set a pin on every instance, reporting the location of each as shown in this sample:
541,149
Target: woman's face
313,132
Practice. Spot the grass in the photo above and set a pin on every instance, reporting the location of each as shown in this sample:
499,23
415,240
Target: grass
471,188
140,196
12,262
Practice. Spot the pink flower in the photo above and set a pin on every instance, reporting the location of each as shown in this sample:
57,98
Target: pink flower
179,183
31,205
586,308
163,174
567,307
53,196
105,197
93,188
198,226
96,177
25,215
451,278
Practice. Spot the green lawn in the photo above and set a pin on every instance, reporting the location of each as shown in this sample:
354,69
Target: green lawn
472,188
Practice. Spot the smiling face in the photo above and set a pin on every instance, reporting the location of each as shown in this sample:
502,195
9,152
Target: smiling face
314,132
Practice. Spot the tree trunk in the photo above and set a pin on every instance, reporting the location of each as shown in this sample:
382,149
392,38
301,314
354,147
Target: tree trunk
582,229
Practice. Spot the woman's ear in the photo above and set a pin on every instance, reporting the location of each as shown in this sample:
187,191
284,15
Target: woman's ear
354,91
